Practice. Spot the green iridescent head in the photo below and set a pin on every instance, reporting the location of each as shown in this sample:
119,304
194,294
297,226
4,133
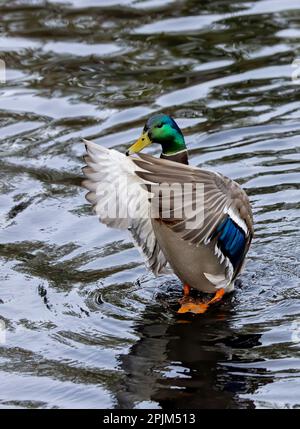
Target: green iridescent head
160,129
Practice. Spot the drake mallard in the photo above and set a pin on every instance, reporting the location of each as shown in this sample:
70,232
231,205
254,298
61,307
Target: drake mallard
207,256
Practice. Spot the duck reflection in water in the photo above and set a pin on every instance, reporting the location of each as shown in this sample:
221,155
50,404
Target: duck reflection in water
185,362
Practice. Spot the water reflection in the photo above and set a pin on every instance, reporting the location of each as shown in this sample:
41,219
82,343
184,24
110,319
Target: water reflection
179,363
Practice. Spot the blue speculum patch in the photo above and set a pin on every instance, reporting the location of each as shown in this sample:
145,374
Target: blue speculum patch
231,240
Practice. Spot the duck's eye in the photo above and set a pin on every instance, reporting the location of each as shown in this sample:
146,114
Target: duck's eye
159,125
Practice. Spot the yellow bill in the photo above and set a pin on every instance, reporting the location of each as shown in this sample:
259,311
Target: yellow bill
140,144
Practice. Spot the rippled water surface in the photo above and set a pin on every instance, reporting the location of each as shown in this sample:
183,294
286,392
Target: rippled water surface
86,325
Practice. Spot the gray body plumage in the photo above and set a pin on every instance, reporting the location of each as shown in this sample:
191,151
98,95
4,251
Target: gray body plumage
189,262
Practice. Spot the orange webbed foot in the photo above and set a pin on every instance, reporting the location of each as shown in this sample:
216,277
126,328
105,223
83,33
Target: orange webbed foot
193,307
196,306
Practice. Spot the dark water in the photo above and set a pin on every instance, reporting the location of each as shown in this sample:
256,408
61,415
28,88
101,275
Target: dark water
86,325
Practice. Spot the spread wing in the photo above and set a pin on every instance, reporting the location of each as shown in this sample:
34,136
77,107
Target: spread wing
120,201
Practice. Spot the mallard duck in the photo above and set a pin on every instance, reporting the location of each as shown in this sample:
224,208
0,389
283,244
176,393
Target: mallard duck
207,256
